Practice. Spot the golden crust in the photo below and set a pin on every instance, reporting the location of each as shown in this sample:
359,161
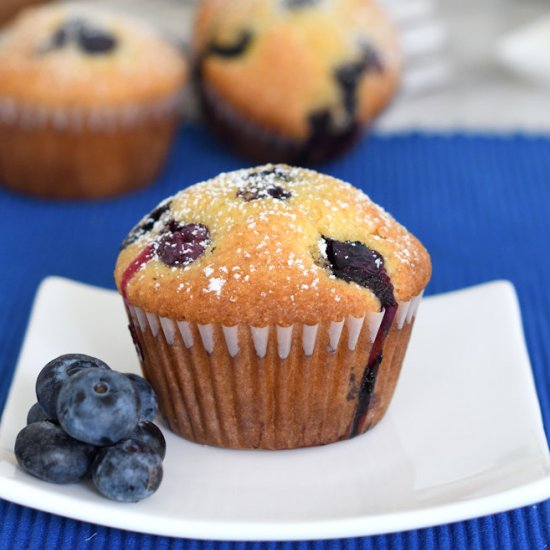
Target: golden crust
288,72
142,69
264,265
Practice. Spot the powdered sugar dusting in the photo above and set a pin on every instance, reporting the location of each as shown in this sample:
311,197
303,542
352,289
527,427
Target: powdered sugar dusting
215,285
268,238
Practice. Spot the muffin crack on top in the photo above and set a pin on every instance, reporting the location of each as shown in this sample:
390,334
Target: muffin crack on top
274,245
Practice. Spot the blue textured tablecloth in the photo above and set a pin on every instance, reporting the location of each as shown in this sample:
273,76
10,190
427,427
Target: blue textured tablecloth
480,204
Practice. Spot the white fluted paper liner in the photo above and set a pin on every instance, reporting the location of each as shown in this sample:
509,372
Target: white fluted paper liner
270,387
370,322
99,119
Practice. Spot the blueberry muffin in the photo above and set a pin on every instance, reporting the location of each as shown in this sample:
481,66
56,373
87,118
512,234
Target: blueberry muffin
293,80
271,307
88,102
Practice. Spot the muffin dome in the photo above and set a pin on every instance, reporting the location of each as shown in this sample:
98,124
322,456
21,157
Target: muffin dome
63,56
294,80
270,245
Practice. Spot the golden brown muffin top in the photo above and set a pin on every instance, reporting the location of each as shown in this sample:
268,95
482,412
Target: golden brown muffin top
288,63
257,247
78,56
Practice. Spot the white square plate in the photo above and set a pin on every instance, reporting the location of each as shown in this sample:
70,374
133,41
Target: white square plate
463,436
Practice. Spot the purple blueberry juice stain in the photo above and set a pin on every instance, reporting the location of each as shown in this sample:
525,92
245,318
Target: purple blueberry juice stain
183,243
138,263
357,263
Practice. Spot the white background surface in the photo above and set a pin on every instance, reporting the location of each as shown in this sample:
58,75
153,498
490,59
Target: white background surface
481,95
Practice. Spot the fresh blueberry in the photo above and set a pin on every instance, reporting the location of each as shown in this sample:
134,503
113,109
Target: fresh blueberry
147,223
37,414
58,370
45,451
236,49
148,405
357,263
98,406
149,433
128,471
182,244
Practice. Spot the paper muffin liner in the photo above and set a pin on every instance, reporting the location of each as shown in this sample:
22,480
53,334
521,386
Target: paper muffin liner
98,119
84,153
269,387
264,145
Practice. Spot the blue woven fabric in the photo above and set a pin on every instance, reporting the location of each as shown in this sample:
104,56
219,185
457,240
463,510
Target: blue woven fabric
481,205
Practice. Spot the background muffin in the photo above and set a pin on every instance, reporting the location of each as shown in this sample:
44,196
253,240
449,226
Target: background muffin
293,80
88,102
271,307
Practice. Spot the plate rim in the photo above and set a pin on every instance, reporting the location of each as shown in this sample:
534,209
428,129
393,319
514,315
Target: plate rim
366,525
261,530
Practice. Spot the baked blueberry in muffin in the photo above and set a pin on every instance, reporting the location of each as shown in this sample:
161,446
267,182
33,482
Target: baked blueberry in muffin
90,38
293,80
271,307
